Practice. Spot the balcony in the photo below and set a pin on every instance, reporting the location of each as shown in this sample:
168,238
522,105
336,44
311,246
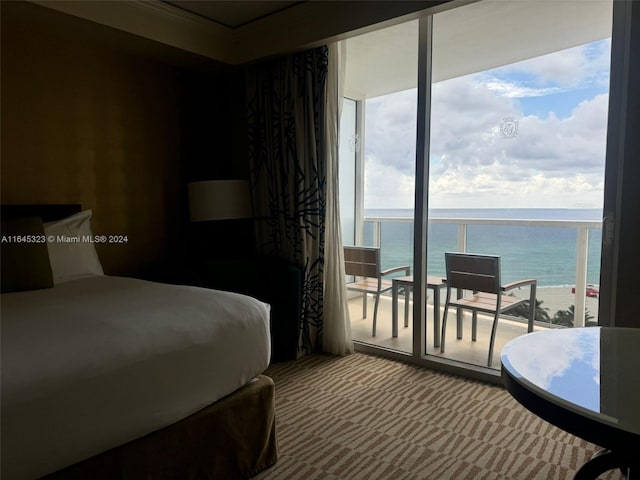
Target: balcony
504,237
462,350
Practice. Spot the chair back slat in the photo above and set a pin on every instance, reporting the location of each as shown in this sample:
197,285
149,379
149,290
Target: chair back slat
473,272
362,261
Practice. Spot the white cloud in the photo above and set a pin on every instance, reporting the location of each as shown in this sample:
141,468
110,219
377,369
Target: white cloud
514,90
391,129
387,187
461,190
552,162
565,146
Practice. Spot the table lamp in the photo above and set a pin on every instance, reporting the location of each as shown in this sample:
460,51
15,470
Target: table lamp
220,211
219,200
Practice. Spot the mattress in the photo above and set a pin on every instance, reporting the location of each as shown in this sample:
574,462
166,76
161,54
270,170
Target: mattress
94,363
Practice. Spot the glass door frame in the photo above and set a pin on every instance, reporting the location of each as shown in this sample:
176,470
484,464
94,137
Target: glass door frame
419,354
622,72
421,207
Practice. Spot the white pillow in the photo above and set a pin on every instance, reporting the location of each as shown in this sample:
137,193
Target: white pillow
71,253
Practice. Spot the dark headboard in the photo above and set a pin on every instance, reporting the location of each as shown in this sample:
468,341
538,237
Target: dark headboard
47,213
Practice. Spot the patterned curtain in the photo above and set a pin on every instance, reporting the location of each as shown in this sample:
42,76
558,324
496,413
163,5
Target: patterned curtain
286,99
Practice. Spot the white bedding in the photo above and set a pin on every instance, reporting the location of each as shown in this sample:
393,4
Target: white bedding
97,362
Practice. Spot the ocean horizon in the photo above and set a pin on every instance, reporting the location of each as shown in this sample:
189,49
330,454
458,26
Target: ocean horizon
578,214
546,253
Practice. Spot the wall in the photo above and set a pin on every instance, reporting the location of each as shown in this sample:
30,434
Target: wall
216,148
216,141
84,122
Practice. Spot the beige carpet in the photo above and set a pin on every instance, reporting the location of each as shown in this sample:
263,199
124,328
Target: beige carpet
363,417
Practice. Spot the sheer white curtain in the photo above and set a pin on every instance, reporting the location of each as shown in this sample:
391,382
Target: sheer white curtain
336,336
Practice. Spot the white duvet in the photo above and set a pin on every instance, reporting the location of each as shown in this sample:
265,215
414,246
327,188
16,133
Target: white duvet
94,363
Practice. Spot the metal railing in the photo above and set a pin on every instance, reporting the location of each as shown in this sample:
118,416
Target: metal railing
582,244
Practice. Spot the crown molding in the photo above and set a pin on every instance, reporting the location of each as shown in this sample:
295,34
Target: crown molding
164,9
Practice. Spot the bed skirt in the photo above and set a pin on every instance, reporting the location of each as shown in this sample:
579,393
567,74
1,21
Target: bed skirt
234,438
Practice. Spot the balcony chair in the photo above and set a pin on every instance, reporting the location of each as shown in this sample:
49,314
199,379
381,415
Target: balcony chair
480,274
365,262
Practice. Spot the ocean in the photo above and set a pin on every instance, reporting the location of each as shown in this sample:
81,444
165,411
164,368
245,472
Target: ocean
546,253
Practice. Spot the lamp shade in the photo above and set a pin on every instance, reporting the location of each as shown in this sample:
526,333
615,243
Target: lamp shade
219,200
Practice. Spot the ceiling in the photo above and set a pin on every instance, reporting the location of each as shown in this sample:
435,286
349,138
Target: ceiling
233,14
381,36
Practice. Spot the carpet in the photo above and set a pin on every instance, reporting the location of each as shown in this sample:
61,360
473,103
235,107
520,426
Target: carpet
364,417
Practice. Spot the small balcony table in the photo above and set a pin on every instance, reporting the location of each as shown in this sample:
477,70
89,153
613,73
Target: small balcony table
406,283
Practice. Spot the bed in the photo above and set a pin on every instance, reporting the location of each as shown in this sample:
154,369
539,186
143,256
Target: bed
113,377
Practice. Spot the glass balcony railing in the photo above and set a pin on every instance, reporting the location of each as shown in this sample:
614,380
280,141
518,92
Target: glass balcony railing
562,255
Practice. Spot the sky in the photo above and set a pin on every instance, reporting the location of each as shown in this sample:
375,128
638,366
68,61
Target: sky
527,135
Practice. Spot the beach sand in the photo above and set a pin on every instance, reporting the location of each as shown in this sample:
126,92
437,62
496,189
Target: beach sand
559,298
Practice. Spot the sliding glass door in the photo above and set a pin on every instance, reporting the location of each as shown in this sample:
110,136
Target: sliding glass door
381,88
517,154
479,129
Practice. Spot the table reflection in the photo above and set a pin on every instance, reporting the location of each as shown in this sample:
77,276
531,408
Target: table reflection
585,381
593,368
574,371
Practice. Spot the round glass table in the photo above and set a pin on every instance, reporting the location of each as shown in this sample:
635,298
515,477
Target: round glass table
585,381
